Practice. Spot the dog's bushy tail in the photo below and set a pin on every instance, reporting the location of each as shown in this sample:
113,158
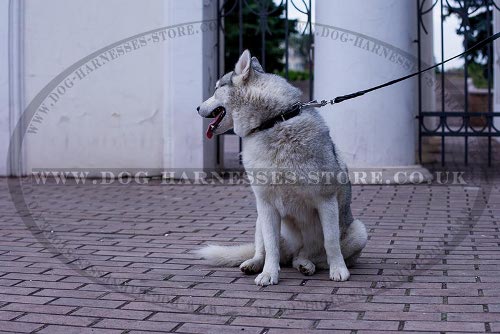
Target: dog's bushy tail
231,256
354,242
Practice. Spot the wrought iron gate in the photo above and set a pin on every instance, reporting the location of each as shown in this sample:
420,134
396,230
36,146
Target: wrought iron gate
269,19
474,119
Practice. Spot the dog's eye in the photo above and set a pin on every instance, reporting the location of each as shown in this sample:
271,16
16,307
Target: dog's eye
219,85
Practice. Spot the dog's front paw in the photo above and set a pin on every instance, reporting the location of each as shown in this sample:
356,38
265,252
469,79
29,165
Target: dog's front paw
339,273
266,278
252,266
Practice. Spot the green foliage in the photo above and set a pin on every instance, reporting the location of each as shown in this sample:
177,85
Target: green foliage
273,25
474,28
294,75
301,43
476,72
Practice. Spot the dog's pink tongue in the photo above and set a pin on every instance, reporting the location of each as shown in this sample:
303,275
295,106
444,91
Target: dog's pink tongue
213,125
210,132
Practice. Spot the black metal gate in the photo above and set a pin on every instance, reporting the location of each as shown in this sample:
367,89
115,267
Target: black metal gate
266,29
473,116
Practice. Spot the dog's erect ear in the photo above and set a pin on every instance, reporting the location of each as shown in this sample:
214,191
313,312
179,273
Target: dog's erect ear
256,65
243,66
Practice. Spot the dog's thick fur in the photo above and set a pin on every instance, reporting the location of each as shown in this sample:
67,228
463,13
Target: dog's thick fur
308,225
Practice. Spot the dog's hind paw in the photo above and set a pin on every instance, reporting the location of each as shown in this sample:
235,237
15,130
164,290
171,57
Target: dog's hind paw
351,261
252,266
304,266
265,278
339,273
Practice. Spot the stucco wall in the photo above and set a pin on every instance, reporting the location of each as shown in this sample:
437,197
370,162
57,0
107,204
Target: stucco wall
113,116
130,105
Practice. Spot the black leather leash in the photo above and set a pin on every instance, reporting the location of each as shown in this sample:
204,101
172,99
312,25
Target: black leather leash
343,98
296,108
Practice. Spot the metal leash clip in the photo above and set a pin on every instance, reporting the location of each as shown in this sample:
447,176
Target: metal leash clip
316,104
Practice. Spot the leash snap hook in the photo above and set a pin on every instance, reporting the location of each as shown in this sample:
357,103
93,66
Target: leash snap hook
315,104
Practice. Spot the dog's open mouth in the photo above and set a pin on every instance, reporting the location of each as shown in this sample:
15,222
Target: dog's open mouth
218,114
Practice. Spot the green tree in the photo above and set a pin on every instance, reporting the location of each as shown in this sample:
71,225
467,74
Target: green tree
476,25
258,16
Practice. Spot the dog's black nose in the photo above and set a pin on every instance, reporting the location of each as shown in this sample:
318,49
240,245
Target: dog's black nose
198,109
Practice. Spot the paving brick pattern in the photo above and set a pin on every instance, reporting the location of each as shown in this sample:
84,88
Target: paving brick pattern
119,259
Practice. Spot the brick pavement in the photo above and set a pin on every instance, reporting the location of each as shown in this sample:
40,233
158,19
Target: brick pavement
432,263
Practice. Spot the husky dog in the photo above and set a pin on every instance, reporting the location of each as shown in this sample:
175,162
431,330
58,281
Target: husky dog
306,225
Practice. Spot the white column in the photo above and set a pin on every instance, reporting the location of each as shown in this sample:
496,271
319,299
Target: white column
374,43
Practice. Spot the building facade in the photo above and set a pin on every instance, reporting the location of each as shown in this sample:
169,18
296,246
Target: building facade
115,84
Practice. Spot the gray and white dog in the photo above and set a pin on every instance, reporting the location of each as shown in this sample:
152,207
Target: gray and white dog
308,224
